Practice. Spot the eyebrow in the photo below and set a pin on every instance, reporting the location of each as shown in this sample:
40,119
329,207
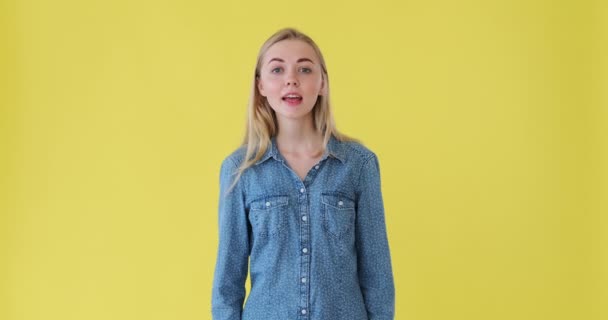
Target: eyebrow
299,60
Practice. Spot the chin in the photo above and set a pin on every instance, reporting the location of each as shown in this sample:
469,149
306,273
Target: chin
294,115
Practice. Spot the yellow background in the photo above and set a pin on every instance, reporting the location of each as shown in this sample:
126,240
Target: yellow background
489,119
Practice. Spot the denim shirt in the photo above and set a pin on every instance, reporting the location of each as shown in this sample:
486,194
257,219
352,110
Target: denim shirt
316,249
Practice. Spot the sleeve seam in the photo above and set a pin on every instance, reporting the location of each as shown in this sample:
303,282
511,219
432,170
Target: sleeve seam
232,166
232,162
365,163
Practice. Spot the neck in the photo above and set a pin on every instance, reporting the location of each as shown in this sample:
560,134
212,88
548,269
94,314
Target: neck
300,137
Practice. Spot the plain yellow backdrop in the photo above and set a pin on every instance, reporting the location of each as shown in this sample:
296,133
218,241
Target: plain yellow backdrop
489,119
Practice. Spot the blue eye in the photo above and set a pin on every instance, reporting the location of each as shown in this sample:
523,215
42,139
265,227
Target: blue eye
306,70
275,70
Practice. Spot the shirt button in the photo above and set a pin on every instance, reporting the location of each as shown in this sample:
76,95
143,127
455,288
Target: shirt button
304,218
268,204
303,311
304,280
316,167
302,190
304,250
340,203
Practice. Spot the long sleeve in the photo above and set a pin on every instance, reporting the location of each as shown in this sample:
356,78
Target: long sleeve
231,266
374,261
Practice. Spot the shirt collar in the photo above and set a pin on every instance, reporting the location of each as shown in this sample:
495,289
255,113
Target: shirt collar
334,149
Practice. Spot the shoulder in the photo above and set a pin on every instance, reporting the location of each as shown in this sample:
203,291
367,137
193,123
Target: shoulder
235,158
365,164
231,163
355,152
230,167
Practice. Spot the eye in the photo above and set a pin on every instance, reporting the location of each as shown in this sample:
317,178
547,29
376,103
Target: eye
306,70
276,70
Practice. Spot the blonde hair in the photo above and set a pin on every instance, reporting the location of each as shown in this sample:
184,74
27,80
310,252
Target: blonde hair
261,119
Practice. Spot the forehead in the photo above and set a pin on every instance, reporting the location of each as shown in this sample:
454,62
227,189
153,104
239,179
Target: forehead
290,51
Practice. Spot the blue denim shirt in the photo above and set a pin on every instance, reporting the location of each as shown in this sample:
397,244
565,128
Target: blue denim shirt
316,249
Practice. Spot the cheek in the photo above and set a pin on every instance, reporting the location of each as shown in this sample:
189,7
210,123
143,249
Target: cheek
313,89
270,84
315,84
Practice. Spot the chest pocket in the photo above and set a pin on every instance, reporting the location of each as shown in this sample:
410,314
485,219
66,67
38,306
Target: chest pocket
267,215
338,214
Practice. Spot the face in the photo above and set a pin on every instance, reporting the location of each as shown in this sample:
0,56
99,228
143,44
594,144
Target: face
291,79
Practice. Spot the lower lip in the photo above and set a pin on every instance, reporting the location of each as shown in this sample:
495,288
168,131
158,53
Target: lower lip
293,102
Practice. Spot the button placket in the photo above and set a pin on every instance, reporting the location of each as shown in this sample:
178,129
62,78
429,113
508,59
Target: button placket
304,251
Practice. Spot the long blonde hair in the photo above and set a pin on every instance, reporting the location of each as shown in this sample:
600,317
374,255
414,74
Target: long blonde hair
262,123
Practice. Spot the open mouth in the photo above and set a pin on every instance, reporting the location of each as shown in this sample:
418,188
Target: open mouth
292,98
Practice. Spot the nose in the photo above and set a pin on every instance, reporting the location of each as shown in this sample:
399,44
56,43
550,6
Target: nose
291,80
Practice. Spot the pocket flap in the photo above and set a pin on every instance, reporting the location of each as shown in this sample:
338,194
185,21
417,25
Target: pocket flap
269,202
337,200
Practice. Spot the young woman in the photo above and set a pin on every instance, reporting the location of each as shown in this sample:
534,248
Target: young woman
300,204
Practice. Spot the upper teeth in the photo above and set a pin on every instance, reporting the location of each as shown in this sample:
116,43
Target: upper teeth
292,96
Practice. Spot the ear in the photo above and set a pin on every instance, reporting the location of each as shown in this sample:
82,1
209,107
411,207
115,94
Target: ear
323,91
258,82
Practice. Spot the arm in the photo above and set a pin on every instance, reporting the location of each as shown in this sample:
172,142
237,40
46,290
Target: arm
231,265
374,261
